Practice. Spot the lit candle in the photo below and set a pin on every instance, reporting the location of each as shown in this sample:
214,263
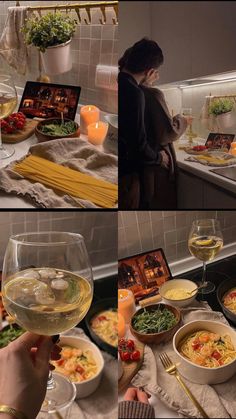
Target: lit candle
126,304
121,326
97,132
233,148
88,115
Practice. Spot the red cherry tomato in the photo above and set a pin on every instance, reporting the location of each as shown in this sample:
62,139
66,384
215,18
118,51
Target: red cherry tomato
130,344
135,356
216,355
122,342
125,356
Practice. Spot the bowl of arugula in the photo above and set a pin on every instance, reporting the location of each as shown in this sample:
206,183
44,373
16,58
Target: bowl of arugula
55,128
155,323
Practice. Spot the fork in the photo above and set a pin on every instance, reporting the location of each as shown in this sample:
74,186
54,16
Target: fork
172,370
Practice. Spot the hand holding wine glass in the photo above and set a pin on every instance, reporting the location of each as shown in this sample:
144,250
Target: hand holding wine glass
48,288
205,242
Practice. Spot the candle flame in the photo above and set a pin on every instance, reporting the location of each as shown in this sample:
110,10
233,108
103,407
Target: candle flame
97,125
89,108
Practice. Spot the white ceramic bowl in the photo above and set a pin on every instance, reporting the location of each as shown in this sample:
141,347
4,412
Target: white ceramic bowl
85,388
112,119
197,373
175,284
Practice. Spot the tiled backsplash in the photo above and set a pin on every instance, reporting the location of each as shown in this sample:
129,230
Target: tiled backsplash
195,98
145,230
92,45
98,228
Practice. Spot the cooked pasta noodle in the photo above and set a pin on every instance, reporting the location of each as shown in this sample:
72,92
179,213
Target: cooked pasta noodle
207,349
105,325
69,181
229,300
76,364
177,294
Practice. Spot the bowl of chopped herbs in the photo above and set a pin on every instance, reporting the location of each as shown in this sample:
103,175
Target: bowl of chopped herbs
155,323
54,128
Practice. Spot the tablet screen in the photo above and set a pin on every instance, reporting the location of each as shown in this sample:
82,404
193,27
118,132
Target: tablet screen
46,100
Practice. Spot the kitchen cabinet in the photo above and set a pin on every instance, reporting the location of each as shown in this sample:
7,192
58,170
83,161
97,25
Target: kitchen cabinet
197,193
189,35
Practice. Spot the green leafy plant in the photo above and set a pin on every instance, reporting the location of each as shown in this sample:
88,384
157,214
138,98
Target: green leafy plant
220,106
49,30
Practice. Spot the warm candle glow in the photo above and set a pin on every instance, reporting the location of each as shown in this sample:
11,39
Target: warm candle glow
97,132
121,326
126,304
88,115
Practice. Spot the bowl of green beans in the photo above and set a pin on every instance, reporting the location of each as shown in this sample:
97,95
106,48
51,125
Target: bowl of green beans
155,323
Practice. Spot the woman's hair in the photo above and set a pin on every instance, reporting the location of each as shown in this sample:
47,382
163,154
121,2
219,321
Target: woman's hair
142,56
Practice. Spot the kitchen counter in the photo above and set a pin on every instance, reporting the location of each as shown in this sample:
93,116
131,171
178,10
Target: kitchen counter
21,149
203,189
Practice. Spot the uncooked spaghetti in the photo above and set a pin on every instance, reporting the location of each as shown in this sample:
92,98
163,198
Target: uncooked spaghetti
69,181
207,349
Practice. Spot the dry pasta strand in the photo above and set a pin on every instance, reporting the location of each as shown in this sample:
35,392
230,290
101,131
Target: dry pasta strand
70,181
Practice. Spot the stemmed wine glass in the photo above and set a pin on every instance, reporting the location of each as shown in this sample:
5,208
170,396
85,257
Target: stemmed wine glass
8,102
47,287
205,241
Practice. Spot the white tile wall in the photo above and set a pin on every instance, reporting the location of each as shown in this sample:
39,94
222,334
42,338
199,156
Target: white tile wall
98,228
92,45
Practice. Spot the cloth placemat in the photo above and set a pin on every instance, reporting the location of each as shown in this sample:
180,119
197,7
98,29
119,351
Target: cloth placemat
102,404
219,400
74,153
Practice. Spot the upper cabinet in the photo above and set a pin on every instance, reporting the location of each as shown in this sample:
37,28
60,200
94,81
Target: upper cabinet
197,38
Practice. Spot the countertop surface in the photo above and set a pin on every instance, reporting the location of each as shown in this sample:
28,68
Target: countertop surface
201,170
21,149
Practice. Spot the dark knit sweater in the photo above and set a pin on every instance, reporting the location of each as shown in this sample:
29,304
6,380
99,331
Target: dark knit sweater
135,410
134,149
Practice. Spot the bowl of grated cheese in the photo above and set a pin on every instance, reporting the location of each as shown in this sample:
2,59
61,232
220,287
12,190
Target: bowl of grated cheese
177,292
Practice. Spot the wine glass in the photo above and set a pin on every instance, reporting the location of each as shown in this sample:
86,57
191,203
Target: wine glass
188,112
47,287
205,241
8,102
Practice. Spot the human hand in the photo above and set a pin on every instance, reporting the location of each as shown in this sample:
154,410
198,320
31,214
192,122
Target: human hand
165,159
136,394
188,119
24,372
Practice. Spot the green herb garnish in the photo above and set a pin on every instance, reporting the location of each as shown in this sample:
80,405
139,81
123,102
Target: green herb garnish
154,321
59,129
7,336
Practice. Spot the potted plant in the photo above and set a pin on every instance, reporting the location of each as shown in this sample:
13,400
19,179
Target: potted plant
221,109
52,34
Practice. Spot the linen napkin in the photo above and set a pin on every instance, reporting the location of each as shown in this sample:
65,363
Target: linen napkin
218,401
102,404
12,45
74,153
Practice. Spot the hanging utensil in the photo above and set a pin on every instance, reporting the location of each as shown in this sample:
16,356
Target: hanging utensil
88,22
115,20
103,20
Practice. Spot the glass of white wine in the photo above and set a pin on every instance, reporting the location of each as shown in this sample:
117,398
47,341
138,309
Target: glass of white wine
8,102
47,287
205,241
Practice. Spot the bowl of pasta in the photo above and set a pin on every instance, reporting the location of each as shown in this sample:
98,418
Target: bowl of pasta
178,292
102,324
226,295
206,351
82,362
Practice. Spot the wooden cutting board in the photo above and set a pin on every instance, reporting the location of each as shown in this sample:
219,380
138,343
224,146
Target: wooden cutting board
22,135
130,369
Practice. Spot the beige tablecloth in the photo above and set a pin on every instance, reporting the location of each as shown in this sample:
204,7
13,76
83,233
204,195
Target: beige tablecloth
102,404
219,401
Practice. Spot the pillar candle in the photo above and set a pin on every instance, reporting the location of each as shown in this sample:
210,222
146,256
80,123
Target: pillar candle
233,148
97,132
121,326
88,115
126,304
